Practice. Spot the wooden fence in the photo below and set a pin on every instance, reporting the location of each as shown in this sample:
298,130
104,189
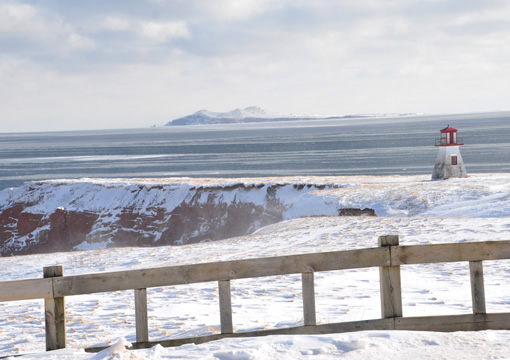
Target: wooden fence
54,287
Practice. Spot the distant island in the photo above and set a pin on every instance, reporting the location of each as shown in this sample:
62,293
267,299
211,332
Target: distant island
254,114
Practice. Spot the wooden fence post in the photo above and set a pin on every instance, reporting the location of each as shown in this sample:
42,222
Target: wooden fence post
477,287
391,291
55,314
225,307
141,318
307,280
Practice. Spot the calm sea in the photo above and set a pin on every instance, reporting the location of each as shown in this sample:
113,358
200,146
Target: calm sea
381,146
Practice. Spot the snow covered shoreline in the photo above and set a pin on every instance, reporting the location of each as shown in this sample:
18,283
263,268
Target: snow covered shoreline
418,210
63,215
416,193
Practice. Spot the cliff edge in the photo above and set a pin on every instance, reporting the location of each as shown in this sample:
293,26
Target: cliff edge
64,215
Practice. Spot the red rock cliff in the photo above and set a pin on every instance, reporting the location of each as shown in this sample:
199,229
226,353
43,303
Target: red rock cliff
65,215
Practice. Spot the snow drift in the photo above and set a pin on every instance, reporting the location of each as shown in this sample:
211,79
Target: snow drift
420,211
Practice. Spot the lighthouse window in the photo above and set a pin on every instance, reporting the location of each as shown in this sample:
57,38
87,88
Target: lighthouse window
454,159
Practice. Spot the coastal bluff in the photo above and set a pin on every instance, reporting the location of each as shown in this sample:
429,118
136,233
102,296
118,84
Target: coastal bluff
65,215
81,214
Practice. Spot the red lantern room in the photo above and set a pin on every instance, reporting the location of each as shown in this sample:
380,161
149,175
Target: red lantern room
449,137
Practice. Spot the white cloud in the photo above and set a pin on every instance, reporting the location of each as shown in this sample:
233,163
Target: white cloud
46,32
22,19
164,31
323,56
116,24
468,18
229,10
242,9
78,42
12,14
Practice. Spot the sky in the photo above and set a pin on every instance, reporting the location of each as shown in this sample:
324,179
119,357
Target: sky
101,64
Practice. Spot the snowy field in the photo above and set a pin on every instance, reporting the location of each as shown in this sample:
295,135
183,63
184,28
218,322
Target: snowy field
418,210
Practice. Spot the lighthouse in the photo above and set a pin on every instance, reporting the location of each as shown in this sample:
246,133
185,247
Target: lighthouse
449,162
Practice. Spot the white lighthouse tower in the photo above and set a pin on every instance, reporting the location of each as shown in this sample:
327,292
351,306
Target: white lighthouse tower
449,161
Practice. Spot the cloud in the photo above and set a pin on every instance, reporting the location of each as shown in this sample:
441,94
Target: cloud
79,42
483,15
163,31
31,30
224,10
22,19
321,56
116,23
239,10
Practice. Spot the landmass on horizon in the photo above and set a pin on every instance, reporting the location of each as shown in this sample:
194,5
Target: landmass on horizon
257,114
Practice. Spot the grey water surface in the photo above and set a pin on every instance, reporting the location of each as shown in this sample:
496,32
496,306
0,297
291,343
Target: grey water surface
364,146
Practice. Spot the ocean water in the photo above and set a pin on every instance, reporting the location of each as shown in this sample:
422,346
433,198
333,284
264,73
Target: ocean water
370,146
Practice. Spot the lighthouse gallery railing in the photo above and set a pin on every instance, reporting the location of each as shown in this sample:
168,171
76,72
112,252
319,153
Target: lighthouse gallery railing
444,142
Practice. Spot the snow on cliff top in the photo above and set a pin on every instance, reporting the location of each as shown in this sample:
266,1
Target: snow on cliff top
253,112
236,115
249,112
479,195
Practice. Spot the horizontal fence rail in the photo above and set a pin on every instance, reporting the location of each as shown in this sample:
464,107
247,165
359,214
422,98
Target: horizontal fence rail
388,257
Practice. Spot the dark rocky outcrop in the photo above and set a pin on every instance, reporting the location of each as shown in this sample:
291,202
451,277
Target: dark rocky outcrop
356,212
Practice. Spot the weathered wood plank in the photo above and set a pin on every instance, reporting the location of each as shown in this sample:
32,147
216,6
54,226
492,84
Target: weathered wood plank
391,292
378,324
389,276
309,315
477,287
438,253
227,270
141,316
224,293
388,258
26,289
55,314
449,323
388,240
500,321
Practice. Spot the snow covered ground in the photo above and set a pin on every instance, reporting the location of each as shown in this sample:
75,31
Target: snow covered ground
418,210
